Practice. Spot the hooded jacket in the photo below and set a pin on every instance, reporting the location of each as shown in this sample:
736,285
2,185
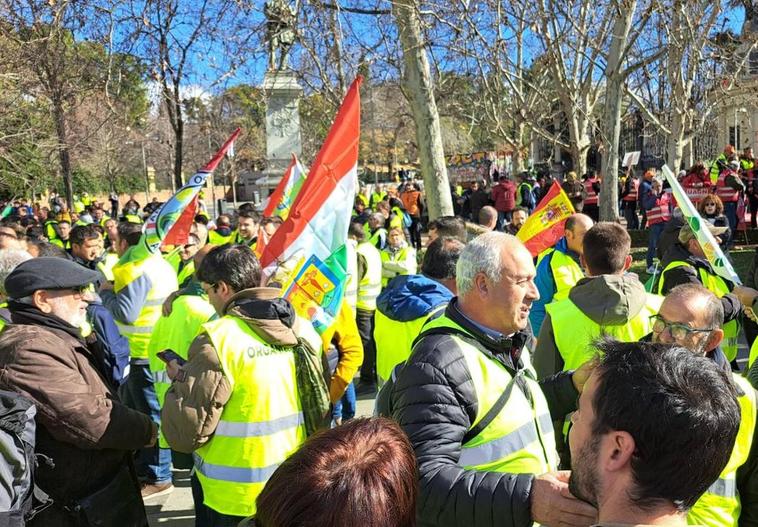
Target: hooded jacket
401,309
608,300
194,403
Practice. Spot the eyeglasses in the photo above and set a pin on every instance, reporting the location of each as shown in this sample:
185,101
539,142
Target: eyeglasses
678,331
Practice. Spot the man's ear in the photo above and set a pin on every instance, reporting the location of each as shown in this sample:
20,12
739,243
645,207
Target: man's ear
480,284
714,339
617,450
40,298
628,262
223,289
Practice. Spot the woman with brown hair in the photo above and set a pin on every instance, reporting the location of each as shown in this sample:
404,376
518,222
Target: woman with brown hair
360,473
711,208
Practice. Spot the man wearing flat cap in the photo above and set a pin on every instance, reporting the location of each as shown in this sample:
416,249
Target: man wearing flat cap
81,426
685,263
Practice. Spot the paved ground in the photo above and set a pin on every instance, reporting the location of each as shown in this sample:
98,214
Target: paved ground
177,510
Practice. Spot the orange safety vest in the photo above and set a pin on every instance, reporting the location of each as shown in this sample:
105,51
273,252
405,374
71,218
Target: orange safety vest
726,193
592,197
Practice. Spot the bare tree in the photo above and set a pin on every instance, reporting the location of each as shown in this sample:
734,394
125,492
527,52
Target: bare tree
417,80
186,44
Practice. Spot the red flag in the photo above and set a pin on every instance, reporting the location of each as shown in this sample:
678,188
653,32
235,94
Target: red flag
179,233
545,225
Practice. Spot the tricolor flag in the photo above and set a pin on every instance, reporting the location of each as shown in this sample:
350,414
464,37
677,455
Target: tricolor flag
280,201
716,257
544,226
162,221
310,246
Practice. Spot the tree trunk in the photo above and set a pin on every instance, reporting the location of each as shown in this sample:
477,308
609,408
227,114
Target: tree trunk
178,147
675,143
614,86
418,83
63,154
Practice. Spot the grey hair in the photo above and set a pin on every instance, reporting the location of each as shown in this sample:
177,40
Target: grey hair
714,310
480,255
9,259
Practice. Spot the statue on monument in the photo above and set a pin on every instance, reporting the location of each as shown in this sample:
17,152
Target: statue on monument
280,32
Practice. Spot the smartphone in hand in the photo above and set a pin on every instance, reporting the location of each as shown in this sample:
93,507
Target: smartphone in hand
169,355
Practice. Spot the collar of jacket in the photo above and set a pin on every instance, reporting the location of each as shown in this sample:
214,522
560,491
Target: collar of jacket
27,314
500,346
270,317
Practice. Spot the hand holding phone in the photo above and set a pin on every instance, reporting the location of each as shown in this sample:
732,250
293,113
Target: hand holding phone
169,355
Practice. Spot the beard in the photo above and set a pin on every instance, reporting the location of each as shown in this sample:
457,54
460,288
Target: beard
584,482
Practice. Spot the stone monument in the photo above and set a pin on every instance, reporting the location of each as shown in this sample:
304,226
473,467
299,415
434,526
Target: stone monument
282,93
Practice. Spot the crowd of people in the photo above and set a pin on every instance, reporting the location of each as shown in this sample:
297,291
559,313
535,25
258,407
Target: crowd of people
510,389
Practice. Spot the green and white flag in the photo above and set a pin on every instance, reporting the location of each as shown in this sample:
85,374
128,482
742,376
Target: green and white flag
716,257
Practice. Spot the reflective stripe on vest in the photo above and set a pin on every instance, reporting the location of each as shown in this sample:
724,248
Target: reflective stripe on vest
520,438
716,285
725,192
211,471
370,285
592,197
566,272
163,283
720,505
175,332
574,331
261,423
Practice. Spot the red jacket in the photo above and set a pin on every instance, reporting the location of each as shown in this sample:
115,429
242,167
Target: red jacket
661,212
504,196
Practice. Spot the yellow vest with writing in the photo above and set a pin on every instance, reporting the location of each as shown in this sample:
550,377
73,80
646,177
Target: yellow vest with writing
370,285
716,285
520,440
720,505
163,280
176,332
261,425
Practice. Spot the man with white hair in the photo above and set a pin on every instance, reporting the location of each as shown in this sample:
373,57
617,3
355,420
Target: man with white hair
479,421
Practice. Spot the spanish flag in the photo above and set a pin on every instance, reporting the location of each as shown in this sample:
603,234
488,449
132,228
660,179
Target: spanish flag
545,225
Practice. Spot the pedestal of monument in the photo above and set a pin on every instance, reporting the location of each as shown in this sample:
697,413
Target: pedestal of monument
282,93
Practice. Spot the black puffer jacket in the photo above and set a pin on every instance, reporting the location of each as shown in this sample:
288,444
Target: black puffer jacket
434,401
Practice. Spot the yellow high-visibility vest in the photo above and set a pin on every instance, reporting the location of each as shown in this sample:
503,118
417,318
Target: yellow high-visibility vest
574,331
370,285
163,279
720,505
520,440
261,425
176,332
